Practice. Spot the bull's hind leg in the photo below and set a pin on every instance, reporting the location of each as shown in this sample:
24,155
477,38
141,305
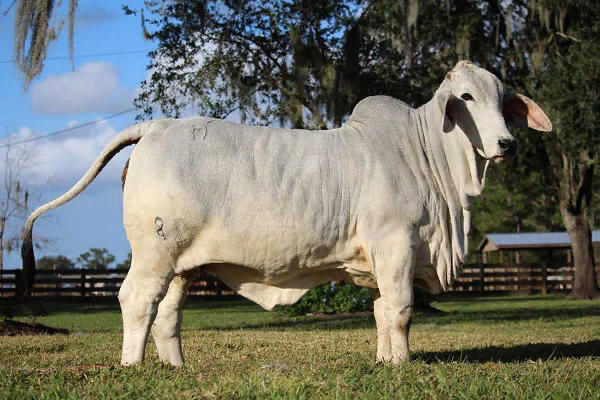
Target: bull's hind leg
167,325
142,290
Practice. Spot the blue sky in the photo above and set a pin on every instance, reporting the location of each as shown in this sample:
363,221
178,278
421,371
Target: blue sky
99,87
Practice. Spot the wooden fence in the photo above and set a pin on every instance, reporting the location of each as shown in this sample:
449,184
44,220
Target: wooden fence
482,278
90,283
529,278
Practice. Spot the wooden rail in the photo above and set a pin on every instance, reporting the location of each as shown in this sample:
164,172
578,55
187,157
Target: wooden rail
517,278
90,283
483,278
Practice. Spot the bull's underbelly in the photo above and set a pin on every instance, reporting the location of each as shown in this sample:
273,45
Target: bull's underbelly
335,272
278,267
276,264
287,283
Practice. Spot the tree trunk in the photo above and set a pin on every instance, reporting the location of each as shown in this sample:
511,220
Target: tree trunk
2,227
1,256
585,284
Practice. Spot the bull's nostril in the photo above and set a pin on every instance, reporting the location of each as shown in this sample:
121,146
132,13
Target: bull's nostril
507,145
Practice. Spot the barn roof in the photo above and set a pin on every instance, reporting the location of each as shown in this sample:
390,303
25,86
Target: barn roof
528,241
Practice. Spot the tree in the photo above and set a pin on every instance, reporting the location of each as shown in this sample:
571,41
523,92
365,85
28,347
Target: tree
552,57
16,198
569,85
99,259
54,262
306,63
126,264
271,60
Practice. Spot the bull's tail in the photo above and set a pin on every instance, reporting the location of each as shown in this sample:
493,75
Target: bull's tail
126,138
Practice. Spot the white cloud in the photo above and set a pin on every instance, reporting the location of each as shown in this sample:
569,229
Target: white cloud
64,160
93,88
96,15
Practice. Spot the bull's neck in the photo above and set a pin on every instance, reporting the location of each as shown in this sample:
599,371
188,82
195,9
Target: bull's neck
450,155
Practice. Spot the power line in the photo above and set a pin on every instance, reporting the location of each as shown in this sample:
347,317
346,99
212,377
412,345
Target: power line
68,129
86,55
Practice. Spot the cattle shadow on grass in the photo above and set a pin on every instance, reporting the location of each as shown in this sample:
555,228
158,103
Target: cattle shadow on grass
520,353
496,297
91,305
364,320
510,314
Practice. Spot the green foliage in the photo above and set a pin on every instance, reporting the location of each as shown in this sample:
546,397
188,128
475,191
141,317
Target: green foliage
569,86
561,75
514,201
14,307
562,46
307,63
54,262
94,258
126,264
271,60
332,298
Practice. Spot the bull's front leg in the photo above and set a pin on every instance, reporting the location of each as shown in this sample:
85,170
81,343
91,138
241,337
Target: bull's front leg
384,347
394,271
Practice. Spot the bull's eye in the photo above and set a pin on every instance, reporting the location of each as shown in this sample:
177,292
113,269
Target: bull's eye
467,97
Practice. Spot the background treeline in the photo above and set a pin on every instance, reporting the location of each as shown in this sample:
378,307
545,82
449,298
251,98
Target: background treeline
94,258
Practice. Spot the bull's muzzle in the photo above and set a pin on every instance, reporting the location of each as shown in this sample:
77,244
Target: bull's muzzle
508,147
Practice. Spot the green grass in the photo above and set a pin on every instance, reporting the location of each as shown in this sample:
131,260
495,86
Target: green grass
485,348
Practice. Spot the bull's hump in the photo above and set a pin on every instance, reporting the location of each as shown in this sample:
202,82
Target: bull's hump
378,107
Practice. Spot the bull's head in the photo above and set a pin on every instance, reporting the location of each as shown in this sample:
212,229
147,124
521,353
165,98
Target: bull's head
474,100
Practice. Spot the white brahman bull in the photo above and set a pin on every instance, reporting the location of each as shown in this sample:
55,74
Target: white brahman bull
382,202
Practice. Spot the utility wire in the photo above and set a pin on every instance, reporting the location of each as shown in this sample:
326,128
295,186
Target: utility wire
68,129
87,55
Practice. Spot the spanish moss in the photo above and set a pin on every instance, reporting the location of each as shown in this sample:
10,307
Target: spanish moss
34,31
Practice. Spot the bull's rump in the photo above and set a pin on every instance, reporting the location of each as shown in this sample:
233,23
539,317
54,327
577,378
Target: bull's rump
271,200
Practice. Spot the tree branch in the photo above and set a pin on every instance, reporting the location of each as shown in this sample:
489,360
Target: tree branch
553,173
317,117
567,189
567,36
584,186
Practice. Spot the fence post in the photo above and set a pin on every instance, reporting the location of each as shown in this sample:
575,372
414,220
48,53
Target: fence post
82,283
481,278
19,285
544,279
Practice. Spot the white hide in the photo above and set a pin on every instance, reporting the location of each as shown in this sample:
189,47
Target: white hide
274,212
382,201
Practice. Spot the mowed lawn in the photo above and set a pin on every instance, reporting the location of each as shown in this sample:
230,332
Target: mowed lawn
482,348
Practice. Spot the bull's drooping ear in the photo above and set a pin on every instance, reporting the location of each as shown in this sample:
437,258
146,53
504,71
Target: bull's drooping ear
522,112
443,97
